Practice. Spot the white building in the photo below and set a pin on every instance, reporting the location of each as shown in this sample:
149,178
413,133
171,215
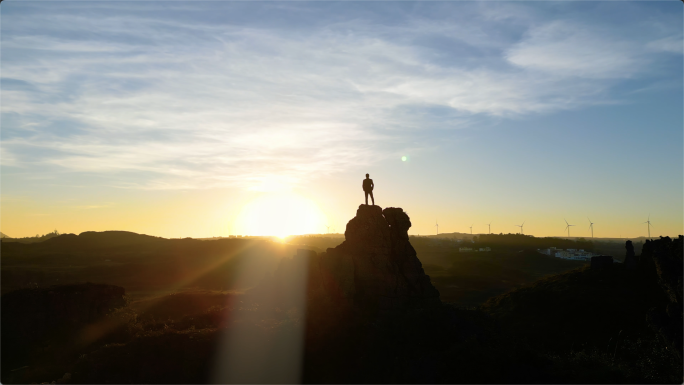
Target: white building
570,254
574,255
551,251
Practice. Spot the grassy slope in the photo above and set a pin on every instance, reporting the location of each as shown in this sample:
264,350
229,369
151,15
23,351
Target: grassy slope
146,265
591,318
473,278
580,305
141,264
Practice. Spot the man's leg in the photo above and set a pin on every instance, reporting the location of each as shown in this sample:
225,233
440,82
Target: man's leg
372,199
366,192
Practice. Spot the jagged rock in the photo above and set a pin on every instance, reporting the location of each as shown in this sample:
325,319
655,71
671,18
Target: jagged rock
665,255
374,271
630,257
418,283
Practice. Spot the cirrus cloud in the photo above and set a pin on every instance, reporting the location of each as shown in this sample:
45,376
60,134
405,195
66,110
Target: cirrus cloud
204,103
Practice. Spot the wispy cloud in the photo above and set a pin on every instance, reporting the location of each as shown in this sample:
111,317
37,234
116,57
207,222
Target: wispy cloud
201,103
578,50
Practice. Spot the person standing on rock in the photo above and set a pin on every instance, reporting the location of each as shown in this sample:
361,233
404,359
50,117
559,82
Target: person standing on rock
368,189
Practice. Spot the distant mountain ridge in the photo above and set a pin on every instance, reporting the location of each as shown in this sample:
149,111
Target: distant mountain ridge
86,238
34,239
103,238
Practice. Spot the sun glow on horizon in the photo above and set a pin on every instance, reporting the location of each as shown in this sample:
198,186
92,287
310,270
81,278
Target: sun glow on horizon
280,214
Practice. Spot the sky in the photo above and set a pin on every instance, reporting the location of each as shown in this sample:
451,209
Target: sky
200,119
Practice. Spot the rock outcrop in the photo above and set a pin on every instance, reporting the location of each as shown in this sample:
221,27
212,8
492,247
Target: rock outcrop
373,272
630,258
665,256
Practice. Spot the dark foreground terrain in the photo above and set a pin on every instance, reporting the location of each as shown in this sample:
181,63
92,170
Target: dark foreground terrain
584,325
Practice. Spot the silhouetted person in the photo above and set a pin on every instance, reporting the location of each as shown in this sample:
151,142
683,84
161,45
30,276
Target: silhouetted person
368,189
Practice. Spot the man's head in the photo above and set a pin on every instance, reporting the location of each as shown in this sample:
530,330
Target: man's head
367,176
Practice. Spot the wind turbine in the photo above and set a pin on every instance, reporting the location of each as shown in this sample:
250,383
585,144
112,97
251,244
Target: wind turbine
591,227
649,226
490,227
437,226
328,228
521,227
568,226
471,229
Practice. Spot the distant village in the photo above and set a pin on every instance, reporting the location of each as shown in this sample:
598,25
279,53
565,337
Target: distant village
571,254
469,249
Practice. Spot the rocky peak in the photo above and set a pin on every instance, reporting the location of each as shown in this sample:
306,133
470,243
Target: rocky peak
374,271
367,230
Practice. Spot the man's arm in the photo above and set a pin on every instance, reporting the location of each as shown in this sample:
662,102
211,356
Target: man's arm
372,184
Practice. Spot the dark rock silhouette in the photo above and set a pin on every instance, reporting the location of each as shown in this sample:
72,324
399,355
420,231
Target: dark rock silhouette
353,296
601,262
630,257
375,271
666,257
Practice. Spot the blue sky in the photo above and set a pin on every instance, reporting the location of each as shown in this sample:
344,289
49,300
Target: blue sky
507,111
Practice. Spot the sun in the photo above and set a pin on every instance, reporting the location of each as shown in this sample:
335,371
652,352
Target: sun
280,214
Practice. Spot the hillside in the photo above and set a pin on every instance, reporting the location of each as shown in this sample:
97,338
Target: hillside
629,317
579,307
142,264
368,315
473,278
146,265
